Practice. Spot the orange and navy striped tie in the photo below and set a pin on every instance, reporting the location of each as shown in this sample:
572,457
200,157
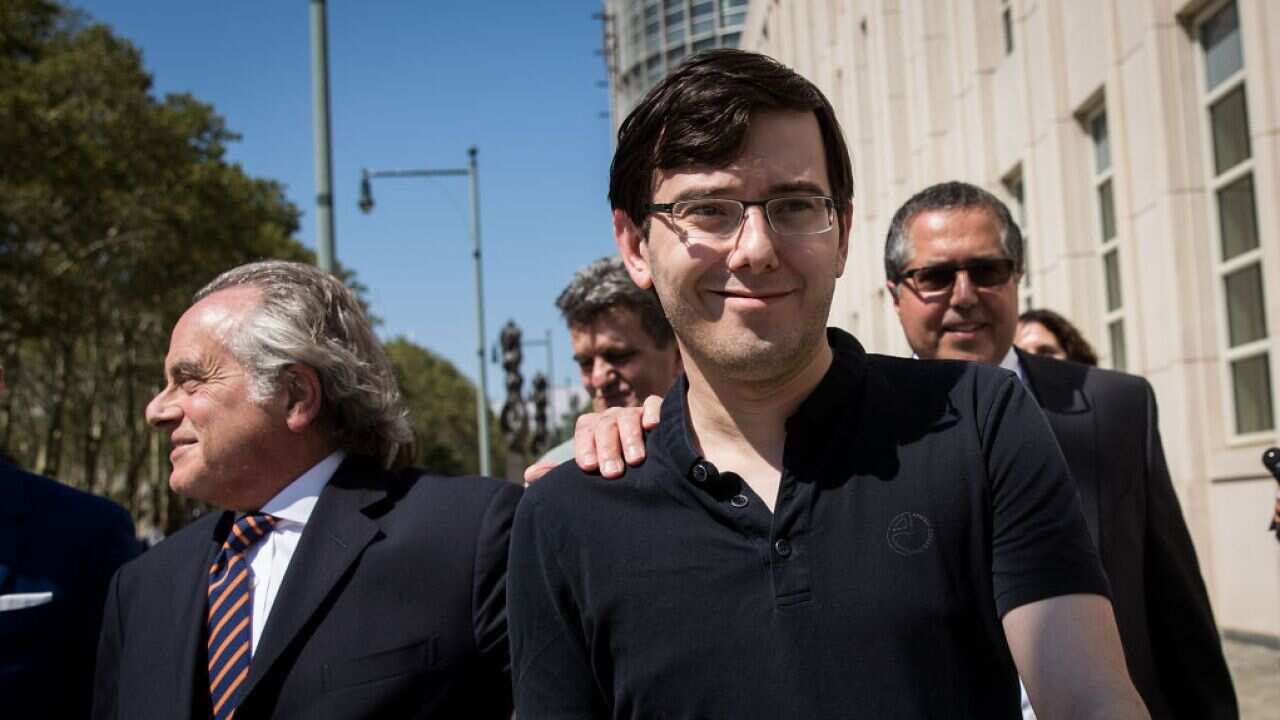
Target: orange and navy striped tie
231,614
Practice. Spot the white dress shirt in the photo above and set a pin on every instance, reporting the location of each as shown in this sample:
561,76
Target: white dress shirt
269,558
1010,362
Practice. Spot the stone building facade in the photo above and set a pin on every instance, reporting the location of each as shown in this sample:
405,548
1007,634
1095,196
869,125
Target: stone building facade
1138,142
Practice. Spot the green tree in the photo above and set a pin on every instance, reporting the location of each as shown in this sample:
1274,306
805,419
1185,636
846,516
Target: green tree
442,409
115,206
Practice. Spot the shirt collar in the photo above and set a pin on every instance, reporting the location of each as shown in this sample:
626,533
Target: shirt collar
296,501
1010,362
836,390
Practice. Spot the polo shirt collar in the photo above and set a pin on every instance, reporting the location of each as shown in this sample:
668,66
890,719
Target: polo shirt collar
835,391
672,434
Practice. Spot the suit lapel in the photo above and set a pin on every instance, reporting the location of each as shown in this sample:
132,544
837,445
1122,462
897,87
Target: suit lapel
1059,388
12,507
183,606
336,534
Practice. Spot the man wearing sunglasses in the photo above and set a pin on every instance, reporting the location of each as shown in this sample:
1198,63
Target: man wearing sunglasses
953,257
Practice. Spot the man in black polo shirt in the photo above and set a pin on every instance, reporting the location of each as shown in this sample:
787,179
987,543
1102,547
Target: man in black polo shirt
882,538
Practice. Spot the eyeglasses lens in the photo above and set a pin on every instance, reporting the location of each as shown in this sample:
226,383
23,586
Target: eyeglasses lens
982,273
707,218
799,215
990,273
935,279
720,218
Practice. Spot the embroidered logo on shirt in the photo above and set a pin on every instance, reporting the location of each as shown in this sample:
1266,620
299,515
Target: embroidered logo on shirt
910,533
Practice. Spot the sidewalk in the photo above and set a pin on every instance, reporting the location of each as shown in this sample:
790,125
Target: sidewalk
1256,672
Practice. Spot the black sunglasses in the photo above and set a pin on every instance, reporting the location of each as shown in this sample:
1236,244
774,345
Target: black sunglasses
938,279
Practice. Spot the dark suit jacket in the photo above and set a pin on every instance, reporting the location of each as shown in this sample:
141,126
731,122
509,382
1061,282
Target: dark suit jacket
1106,425
393,606
54,539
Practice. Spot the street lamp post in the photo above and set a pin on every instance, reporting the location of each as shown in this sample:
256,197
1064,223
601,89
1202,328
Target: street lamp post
323,147
551,377
471,171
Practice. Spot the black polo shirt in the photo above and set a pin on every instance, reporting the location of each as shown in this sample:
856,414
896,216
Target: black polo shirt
920,502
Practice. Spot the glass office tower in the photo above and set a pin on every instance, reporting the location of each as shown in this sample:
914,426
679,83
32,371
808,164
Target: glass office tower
645,39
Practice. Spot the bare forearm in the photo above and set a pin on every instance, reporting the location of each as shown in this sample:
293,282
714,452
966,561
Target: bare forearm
1118,706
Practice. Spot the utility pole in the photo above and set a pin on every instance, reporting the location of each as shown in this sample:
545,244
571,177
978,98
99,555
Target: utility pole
472,172
323,146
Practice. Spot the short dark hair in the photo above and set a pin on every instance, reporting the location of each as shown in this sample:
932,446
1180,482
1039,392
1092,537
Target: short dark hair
700,114
953,195
1072,341
604,285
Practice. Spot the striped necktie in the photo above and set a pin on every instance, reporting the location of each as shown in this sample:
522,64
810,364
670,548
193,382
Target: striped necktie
231,614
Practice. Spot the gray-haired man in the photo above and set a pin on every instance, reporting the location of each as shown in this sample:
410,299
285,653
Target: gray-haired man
335,582
622,342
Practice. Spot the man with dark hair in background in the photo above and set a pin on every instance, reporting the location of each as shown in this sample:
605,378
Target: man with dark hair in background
58,549
622,343
335,582
820,532
953,257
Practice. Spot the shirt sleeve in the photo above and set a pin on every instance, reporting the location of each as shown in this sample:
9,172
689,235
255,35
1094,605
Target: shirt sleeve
551,669
1040,543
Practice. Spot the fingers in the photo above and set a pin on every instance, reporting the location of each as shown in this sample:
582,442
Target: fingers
608,442
537,470
631,434
584,442
652,412
602,440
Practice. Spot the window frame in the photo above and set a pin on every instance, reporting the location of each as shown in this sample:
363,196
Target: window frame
1215,182
1014,184
1116,358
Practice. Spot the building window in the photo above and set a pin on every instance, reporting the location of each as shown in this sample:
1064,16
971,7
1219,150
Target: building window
703,18
1018,206
732,14
1108,235
653,69
1006,21
652,29
1237,245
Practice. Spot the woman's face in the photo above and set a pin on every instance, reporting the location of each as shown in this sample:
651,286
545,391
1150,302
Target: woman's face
1034,338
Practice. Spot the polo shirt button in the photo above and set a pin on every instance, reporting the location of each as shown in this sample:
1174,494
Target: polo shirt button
738,501
782,547
699,473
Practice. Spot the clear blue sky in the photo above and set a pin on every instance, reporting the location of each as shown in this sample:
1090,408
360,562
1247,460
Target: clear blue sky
413,84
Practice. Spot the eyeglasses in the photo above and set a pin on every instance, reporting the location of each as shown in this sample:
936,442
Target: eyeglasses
935,280
720,218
